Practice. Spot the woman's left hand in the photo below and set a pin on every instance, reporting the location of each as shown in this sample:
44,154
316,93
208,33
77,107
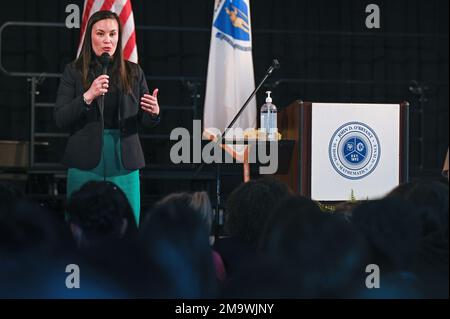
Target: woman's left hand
149,103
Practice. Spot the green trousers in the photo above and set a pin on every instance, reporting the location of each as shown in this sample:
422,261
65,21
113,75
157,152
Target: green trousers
109,169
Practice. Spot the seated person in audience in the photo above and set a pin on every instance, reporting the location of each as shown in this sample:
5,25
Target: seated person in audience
100,212
176,241
322,252
432,264
200,202
246,213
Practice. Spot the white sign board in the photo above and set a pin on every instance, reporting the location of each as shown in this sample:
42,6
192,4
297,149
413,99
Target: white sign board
354,148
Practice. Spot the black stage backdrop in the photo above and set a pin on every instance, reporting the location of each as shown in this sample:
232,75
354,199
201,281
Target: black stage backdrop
326,52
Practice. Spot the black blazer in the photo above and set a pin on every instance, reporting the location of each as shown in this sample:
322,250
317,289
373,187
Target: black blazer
83,150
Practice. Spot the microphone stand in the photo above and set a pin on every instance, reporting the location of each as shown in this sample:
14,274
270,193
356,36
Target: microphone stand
222,137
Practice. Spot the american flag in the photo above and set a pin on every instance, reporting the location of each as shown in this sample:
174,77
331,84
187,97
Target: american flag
125,13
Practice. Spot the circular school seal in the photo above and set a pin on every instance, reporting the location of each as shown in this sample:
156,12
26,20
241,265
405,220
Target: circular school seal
354,150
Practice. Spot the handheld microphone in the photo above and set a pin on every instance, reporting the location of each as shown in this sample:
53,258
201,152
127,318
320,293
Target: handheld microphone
105,58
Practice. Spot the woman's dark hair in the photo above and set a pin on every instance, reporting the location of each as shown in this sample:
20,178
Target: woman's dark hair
84,61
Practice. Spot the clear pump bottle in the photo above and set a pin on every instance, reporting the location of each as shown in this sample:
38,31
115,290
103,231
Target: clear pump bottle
269,118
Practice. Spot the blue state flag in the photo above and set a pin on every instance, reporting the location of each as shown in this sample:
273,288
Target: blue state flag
230,79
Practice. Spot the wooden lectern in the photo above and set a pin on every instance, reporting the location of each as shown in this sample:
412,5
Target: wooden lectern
295,123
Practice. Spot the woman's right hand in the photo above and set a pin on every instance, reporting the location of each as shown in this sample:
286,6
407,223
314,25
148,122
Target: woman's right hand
98,87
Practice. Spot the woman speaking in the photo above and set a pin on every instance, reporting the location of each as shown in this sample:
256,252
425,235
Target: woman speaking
102,99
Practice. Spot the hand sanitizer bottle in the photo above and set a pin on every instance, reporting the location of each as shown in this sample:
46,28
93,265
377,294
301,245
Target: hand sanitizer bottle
269,118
